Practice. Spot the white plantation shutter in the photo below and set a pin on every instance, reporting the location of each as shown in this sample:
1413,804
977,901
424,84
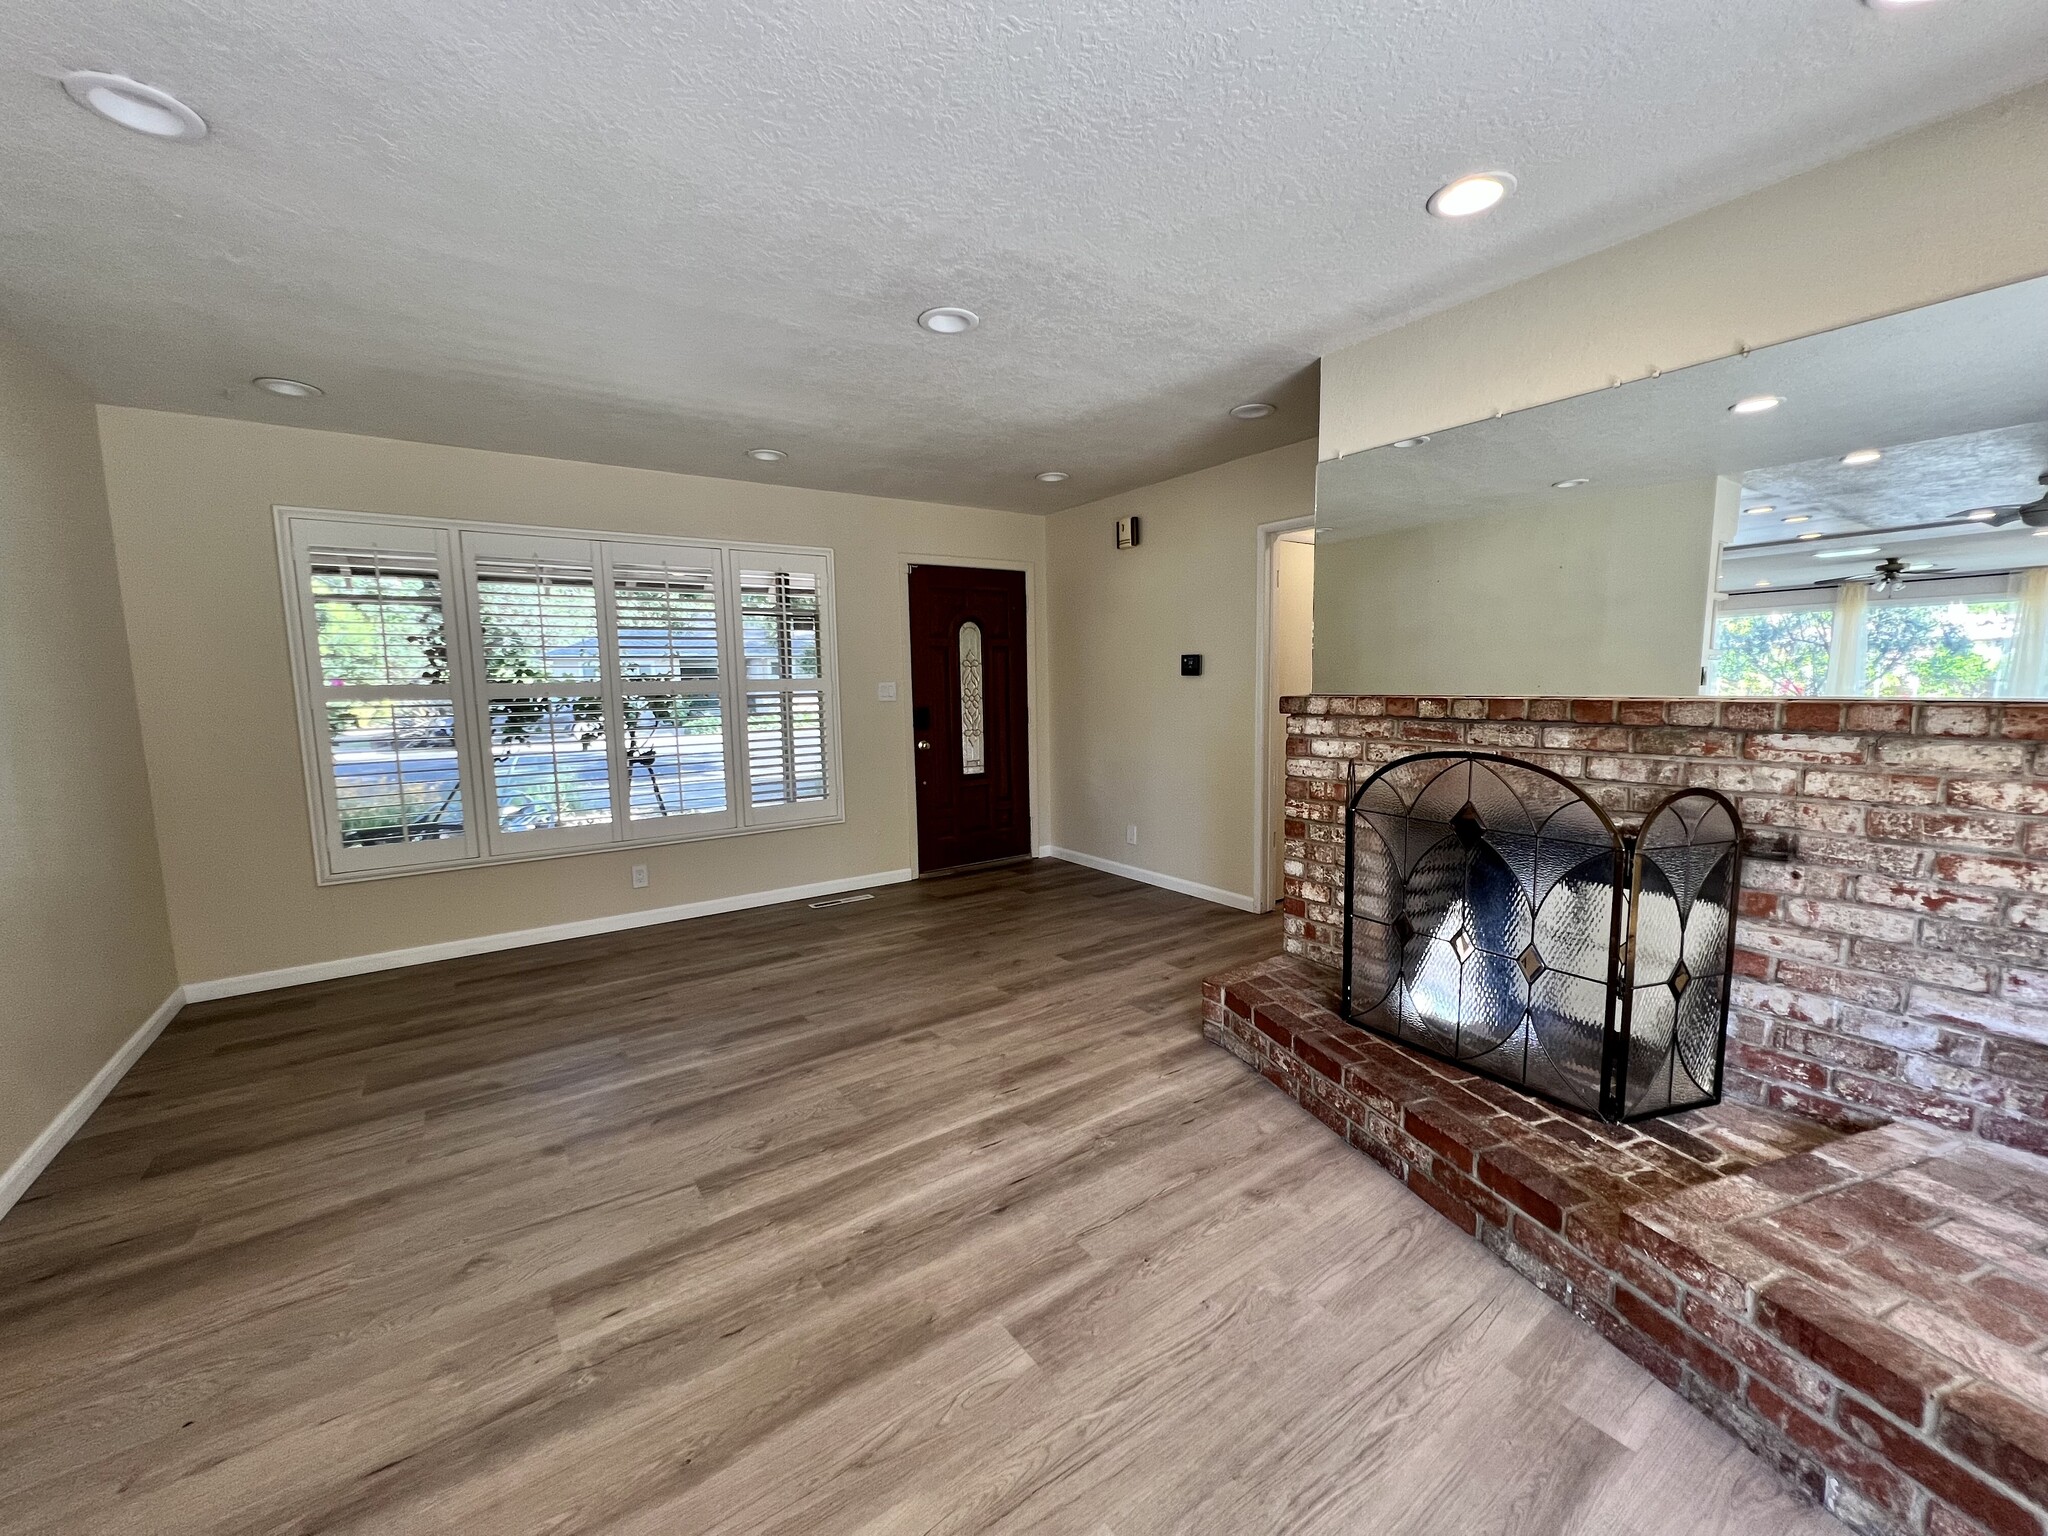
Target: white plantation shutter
791,762
384,723
476,693
675,700
540,643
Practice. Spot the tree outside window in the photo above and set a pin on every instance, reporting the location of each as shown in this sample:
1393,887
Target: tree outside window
1946,650
1772,652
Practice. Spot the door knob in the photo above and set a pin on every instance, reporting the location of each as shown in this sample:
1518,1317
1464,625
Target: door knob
924,746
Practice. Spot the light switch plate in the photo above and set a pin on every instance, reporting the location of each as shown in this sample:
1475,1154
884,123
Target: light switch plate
886,692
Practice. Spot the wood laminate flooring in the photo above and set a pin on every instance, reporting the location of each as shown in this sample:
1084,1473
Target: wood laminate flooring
927,1214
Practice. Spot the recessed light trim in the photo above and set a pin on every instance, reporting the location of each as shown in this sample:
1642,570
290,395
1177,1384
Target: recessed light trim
1860,552
949,320
1471,195
1050,476
1858,457
1572,484
1981,515
1756,405
1799,517
1758,511
134,106
1253,410
291,389
1410,442
1762,583
1805,538
766,455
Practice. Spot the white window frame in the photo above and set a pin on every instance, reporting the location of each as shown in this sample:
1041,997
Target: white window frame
813,563
457,544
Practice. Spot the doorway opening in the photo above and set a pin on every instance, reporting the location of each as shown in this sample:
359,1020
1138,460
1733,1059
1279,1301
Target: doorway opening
1286,632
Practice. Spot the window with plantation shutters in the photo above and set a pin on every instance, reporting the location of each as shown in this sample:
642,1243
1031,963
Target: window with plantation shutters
382,720
781,608
478,693
672,693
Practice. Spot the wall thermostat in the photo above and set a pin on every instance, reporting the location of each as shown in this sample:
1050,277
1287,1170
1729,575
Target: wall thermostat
1191,666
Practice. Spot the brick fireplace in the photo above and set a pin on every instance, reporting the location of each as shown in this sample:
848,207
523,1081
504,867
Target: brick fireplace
1846,1264
1892,949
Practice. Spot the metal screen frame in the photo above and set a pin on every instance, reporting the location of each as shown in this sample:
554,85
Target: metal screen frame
1624,907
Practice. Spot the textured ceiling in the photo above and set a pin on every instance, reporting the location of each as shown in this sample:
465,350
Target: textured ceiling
659,234
1914,483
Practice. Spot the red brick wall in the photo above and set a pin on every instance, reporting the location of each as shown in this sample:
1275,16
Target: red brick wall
1895,965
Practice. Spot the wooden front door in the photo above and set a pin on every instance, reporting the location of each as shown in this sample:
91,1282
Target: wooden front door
968,713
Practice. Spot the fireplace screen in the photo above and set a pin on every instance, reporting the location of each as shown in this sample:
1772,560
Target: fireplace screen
1496,917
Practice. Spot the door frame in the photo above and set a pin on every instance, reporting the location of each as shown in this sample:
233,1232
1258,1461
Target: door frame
1034,693
1265,803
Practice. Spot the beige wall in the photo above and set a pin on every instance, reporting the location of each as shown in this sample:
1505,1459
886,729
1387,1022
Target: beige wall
1943,211
1134,741
85,950
1608,595
192,500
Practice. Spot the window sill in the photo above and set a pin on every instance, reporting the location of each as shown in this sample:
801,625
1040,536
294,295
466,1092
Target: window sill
323,876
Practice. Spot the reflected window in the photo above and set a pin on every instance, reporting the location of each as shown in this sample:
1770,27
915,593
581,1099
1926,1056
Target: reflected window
1956,648
971,757
1933,640
1772,651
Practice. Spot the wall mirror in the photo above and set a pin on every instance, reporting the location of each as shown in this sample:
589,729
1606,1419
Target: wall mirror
1861,512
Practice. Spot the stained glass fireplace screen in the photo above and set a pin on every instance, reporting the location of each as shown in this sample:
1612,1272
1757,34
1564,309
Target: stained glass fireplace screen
1496,917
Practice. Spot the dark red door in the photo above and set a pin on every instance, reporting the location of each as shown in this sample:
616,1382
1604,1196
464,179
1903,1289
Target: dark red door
967,707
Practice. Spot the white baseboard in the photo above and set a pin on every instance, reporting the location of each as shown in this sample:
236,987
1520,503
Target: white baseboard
15,1181
1221,897
424,954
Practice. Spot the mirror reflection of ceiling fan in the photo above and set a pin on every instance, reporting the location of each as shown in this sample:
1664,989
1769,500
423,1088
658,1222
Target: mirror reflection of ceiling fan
1889,574
2033,513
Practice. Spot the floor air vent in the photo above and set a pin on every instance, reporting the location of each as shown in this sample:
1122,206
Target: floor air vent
842,901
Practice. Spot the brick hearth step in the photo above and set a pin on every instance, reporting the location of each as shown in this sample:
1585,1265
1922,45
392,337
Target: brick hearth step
1866,1310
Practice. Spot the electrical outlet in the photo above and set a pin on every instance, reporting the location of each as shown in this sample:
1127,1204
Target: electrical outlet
1131,834
639,877
885,693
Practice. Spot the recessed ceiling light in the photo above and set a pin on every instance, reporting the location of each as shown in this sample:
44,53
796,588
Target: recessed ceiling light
1798,517
1754,405
1757,511
1252,410
766,455
1471,194
1763,583
1569,485
1411,442
1863,456
291,389
1862,551
1981,515
1893,5
134,105
1050,476
948,321
1804,537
